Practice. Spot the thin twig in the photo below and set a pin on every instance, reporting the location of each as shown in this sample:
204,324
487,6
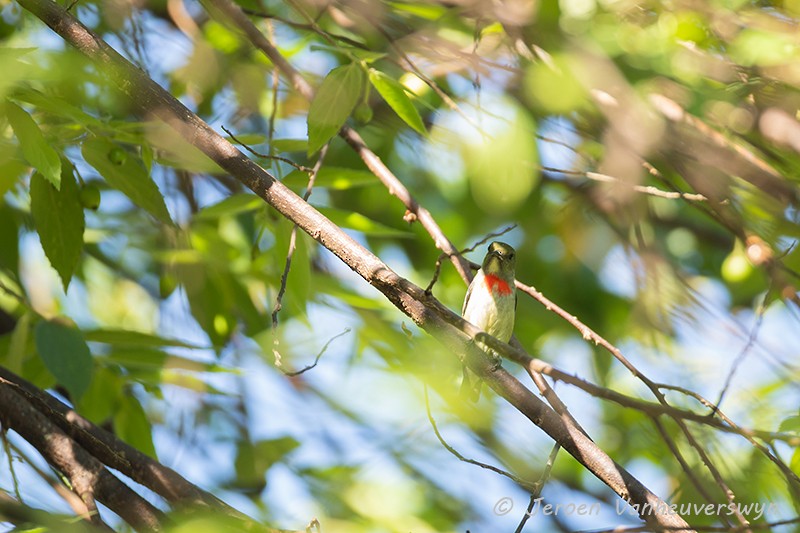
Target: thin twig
299,167
10,457
751,339
319,356
539,485
312,176
438,266
527,485
644,189
313,27
687,469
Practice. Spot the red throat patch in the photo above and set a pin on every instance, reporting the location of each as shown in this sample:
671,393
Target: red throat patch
497,285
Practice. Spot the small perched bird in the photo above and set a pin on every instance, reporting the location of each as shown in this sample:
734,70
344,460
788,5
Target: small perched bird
491,303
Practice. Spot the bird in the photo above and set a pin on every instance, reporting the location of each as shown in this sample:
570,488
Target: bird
490,304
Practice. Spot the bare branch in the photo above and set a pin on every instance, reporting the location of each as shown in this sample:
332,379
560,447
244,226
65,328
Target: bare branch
112,451
319,356
438,267
312,176
288,161
527,485
538,486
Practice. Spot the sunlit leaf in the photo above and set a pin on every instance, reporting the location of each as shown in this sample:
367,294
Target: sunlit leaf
13,70
427,11
358,222
232,205
361,54
395,95
35,148
290,145
155,360
336,178
790,424
132,338
57,106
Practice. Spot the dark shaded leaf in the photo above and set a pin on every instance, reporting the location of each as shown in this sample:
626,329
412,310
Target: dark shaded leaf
65,354
58,218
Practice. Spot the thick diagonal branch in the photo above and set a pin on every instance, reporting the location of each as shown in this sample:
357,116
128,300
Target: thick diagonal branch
89,478
110,450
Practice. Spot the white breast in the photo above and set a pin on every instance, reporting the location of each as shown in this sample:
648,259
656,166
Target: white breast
484,311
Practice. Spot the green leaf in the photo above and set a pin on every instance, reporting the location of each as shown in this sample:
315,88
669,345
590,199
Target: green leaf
368,56
232,205
13,70
358,222
249,139
254,459
337,97
35,148
132,426
57,106
65,354
425,11
18,346
124,171
790,424
395,95
290,145
336,178
58,218
300,282
12,168
153,360
9,240
795,462
133,338
101,399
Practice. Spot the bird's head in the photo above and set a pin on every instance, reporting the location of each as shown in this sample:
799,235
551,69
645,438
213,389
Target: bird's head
500,261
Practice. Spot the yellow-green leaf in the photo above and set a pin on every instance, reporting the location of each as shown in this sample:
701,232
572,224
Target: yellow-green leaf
337,178
35,149
395,95
358,222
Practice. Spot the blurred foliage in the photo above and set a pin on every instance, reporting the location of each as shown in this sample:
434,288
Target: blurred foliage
646,151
